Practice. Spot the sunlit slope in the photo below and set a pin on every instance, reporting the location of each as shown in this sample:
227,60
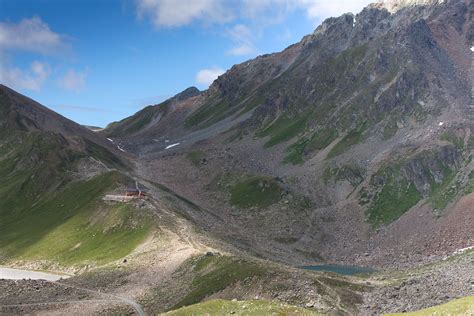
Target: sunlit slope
53,175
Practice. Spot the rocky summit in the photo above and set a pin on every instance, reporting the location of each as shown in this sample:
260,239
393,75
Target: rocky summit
351,150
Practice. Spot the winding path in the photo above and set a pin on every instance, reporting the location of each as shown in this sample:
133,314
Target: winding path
112,297
107,298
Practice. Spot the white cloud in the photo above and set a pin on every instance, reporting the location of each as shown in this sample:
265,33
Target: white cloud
327,8
256,14
241,50
243,38
315,9
173,13
31,35
207,76
73,80
79,108
16,78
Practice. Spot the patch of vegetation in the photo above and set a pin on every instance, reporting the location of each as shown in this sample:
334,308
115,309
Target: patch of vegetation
349,292
214,274
224,307
136,122
102,154
454,139
319,140
210,113
255,191
283,129
394,185
470,186
460,306
236,136
396,197
352,173
196,157
443,193
470,143
45,214
390,129
295,153
286,239
71,225
352,138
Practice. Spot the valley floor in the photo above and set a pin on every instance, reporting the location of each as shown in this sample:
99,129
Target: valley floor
180,265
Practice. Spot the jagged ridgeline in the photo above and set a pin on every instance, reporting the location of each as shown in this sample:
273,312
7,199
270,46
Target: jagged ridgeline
353,146
379,100
53,175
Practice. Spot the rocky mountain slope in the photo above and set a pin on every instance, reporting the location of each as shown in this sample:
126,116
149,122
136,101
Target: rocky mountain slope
352,146
144,254
356,136
54,174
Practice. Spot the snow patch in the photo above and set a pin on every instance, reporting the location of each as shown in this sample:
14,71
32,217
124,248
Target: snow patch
462,250
472,49
171,146
121,149
458,252
440,123
110,140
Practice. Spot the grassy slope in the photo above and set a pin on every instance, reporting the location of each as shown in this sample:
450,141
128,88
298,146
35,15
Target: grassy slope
224,307
214,274
461,306
72,226
256,191
283,129
208,277
46,214
136,122
196,157
397,192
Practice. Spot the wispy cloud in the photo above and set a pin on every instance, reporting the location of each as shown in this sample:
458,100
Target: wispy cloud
244,20
73,80
326,8
32,79
243,39
206,76
31,35
78,108
140,103
173,13
315,9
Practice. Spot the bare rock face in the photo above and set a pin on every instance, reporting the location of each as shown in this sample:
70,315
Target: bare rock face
368,116
395,5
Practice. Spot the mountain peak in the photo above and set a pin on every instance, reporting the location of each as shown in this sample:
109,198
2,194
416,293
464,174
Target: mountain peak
186,94
395,5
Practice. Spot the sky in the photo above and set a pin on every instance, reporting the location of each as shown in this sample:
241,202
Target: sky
99,61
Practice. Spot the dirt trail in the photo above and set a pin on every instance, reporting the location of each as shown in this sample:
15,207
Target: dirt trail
107,298
112,297
183,229
336,296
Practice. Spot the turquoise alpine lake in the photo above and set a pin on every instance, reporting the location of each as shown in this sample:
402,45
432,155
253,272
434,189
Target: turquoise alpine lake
340,269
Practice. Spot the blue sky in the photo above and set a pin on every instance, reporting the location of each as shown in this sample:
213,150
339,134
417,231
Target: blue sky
97,61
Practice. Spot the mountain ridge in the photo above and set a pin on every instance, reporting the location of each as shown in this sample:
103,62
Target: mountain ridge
351,147
368,113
